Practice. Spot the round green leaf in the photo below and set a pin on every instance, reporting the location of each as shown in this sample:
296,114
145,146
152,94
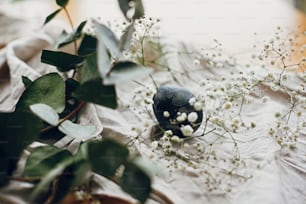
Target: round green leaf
139,10
18,130
81,132
106,156
108,38
46,113
63,61
95,92
124,6
43,159
136,182
44,184
88,45
62,3
48,89
126,70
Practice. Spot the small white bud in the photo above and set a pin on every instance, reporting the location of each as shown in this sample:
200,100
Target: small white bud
175,139
154,144
227,105
168,133
192,101
166,114
197,106
192,117
167,145
187,130
264,99
182,117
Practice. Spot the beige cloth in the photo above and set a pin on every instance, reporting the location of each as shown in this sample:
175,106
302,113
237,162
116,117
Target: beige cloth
281,180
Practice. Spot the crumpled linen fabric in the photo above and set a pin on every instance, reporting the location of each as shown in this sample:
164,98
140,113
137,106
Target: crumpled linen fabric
281,181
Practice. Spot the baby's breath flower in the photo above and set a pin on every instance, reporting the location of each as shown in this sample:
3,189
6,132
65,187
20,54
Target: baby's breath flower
192,101
175,139
166,114
167,145
299,114
154,144
197,106
186,146
187,130
192,117
148,101
284,77
227,105
270,77
236,121
168,133
265,99
182,117
196,62
138,130
215,119
274,87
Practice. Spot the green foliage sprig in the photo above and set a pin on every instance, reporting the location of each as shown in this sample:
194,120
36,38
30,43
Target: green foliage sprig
50,106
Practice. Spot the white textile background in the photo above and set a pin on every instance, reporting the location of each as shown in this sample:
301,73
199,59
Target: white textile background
281,181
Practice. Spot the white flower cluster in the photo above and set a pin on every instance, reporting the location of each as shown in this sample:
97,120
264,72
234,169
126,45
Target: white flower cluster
223,101
143,95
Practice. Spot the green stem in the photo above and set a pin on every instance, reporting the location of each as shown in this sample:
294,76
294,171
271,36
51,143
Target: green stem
74,75
72,27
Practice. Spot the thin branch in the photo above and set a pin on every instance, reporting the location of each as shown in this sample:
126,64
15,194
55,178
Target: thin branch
67,117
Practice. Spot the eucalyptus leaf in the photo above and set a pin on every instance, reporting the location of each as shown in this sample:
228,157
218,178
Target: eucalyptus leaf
95,92
46,113
18,130
106,156
126,38
104,62
26,81
136,182
73,176
51,16
71,86
88,45
43,159
63,61
89,70
44,184
126,70
139,10
81,132
4,177
67,38
48,89
124,6
108,38
62,3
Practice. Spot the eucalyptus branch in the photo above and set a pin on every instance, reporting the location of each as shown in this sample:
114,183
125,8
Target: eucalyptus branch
67,117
